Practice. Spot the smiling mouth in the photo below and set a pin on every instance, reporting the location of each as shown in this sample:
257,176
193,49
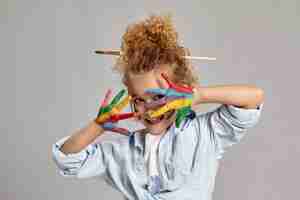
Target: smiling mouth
157,120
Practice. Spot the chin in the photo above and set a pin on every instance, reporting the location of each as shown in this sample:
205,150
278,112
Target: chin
161,126
156,129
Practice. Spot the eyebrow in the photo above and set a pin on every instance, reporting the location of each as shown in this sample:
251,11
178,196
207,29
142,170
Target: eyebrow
151,96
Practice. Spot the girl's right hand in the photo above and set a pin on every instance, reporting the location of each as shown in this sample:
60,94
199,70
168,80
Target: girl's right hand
108,114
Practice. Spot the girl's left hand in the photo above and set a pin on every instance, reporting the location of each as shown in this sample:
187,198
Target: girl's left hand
175,97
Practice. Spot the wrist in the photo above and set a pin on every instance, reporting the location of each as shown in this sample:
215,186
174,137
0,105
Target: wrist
98,125
199,95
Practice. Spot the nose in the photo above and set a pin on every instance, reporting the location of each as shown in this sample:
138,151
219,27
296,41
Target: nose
141,111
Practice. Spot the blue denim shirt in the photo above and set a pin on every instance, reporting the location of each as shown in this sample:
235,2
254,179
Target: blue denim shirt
188,156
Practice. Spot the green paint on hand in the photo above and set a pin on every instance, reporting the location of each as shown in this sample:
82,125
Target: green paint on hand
117,98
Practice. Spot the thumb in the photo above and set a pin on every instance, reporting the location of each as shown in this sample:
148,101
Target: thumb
162,82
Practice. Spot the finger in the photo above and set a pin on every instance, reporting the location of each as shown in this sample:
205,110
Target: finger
109,126
117,98
104,102
178,88
181,114
123,103
160,102
177,118
176,104
156,91
122,131
185,114
172,92
115,118
109,116
168,92
159,112
100,111
106,98
185,111
155,104
165,78
162,82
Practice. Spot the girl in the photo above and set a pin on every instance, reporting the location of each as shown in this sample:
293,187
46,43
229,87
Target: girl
174,157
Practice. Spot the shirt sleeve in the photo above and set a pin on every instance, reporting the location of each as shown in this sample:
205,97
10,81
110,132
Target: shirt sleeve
86,163
227,125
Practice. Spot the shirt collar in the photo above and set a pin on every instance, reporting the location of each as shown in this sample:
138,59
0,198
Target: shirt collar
138,138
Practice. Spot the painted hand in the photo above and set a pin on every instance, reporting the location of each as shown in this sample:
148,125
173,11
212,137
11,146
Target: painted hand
175,97
108,114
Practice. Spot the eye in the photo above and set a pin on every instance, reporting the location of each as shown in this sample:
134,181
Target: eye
138,100
157,97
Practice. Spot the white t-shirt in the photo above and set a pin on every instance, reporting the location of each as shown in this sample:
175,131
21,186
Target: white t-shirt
151,158
151,152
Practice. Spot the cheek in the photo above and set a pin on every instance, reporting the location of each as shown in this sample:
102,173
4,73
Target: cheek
133,109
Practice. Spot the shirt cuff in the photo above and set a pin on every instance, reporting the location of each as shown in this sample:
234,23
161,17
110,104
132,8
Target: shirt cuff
245,115
69,164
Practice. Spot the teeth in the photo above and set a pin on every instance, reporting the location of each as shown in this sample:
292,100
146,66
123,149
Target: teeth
155,120
158,119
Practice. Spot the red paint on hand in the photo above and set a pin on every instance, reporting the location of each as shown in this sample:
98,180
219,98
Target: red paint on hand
178,88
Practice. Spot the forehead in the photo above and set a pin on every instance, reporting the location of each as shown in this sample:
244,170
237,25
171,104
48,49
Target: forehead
138,83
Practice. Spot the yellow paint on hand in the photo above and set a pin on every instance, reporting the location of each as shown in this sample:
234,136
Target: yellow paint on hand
176,104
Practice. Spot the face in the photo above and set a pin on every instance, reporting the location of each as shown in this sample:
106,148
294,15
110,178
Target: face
136,85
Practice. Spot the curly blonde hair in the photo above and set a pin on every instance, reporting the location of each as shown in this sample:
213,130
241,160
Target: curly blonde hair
152,42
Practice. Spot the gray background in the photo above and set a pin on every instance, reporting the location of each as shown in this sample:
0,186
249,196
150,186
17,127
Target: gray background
51,83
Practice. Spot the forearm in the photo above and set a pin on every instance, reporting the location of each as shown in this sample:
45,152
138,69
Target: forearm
244,96
82,138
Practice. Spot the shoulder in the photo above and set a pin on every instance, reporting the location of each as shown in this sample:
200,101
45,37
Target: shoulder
187,133
199,126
